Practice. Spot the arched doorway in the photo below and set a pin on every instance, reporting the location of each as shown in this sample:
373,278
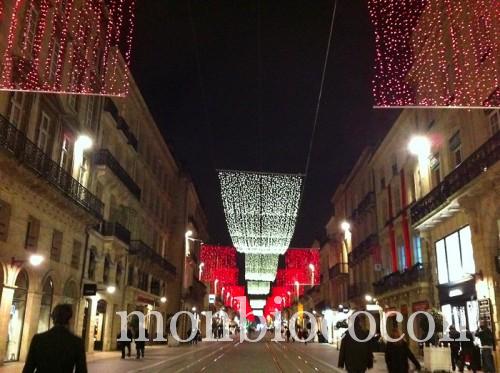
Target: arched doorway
100,322
16,321
45,306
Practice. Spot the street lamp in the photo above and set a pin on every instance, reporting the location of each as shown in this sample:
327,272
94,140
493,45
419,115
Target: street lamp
111,289
200,270
420,146
163,299
311,267
345,226
34,259
193,309
368,298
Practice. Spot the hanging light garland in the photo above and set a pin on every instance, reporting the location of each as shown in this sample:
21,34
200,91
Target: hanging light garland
258,287
259,267
436,52
261,209
72,46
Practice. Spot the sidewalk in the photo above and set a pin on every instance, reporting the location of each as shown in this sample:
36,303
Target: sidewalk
17,367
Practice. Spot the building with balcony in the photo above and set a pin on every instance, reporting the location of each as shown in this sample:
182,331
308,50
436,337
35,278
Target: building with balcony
89,184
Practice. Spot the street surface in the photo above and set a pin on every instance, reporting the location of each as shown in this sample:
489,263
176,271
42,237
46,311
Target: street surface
216,357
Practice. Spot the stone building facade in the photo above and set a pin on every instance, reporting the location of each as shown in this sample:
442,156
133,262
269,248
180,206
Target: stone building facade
89,184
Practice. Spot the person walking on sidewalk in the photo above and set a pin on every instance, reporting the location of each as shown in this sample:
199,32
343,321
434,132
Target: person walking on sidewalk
57,350
355,356
454,348
122,345
398,353
487,339
140,345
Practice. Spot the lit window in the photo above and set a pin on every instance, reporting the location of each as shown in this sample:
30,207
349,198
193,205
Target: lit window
401,257
455,145
417,250
31,26
65,153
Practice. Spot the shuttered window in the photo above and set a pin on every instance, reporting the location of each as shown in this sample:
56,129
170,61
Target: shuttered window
55,250
32,234
4,220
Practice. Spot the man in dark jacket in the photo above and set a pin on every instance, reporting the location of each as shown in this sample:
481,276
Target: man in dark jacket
454,348
57,350
487,346
355,356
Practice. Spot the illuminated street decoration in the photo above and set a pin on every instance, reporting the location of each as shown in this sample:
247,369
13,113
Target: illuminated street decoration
67,46
261,209
258,287
257,303
259,267
436,53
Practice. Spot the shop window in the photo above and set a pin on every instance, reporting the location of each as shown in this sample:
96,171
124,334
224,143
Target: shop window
16,318
76,253
455,146
55,250
417,250
4,220
455,258
32,233
45,306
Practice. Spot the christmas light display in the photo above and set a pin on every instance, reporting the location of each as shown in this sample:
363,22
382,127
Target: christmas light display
261,209
258,287
436,52
257,303
259,267
218,262
67,46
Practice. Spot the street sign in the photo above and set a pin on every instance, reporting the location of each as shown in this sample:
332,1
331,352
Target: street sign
89,290
485,312
211,298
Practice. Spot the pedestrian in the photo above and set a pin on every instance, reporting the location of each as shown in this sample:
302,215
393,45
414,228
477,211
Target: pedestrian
470,354
485,335
398,353
305,335
122,345
454,348
57,350
220,330
355,356
287,333
140,345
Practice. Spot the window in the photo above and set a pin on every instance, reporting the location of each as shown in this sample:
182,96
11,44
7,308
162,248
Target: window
66,151
394,166
130,277
32,233
417,250
455,145
89,112
401,257
83,173
54,58
44,133
31,26
75,255
435,166
455,258
55,250
16,109
494,120
397,201
4,220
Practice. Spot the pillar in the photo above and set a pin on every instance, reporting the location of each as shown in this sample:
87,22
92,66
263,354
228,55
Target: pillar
31,318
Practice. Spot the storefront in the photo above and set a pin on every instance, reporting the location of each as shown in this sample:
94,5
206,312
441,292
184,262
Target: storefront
100,324
44,321
456,277
16,321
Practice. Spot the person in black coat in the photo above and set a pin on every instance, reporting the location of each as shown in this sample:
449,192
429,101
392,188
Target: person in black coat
454,348
57,350
122,345
355,356
140,345
397,355
470,354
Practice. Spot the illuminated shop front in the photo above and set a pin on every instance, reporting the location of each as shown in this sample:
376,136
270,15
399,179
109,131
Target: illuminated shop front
456,277
16,321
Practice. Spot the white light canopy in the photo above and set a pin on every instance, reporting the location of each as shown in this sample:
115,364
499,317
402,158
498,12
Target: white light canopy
257,303
258,287
259,267
261,209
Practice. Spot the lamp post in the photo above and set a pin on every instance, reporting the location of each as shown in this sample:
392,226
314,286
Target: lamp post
34,259
311,267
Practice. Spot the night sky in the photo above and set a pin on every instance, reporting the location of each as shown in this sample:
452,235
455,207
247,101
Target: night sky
214,122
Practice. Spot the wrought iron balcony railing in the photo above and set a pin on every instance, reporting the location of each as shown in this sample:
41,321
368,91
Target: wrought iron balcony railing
121,123
478,162
364,249
139,248
27,153
397,280
339,269
104,157
114,229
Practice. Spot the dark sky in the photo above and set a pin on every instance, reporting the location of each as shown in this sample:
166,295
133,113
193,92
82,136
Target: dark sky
215,123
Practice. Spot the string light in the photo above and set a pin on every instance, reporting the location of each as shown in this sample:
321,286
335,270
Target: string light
261,209
258,287
435,52
68,46
259,267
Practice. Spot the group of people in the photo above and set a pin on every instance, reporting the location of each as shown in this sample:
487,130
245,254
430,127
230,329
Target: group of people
132,334
467,353
217,329
357,357
302,335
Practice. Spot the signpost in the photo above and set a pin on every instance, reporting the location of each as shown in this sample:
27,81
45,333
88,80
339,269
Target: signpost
89,290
